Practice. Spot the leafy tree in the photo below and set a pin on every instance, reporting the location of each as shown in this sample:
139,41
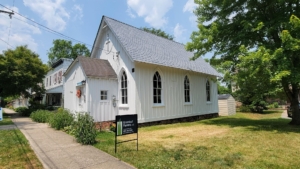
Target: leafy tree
258,26
64,49
158,32
20,70
253,79
223,89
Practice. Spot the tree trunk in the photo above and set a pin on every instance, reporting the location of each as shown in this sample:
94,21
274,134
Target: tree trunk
295,106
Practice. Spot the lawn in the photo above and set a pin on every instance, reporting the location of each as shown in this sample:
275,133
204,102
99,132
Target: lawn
6,120
245,140
15,151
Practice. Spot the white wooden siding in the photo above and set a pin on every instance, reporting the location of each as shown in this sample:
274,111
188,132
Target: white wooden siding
118,63
173,94
102,110
71,101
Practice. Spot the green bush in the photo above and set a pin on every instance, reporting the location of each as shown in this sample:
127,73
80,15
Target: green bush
84,129
21,109
244,108
275,105
41,116
61,119
70,130
24,111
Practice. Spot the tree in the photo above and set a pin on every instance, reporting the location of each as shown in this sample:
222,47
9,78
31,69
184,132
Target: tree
64,49
20,70
158,32
224,26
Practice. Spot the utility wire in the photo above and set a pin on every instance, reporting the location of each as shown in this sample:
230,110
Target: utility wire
10,25
53,31
6,42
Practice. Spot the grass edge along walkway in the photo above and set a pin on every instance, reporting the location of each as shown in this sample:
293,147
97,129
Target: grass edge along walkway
18,152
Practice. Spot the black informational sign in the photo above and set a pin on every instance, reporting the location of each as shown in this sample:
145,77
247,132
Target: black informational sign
126,124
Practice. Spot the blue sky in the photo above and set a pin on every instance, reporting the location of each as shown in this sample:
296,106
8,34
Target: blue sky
80,20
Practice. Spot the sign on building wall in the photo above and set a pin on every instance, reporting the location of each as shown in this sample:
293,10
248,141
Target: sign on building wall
1,114
126,124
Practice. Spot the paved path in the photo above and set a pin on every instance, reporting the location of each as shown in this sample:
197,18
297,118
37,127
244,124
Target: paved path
58,150
284,115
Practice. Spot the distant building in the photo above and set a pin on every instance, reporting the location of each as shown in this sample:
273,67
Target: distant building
54,82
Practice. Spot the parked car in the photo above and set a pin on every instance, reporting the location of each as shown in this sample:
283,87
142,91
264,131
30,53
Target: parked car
290,112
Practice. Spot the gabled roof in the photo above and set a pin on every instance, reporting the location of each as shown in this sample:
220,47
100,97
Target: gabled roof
59,62
223,96
145,47
93,67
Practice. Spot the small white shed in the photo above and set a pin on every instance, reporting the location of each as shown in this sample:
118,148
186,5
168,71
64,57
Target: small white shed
226,105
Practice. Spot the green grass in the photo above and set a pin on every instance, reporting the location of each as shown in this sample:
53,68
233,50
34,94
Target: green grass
246,140
15,152
6,120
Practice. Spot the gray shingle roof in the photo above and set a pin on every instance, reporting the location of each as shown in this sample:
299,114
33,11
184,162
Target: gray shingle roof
223,96
149,48
93,67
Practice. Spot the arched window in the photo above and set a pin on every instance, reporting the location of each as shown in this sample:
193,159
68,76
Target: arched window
207,91
157,89
124,88
187,90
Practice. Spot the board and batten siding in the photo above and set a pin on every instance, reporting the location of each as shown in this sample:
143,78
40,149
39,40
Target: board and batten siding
102,110
71,101
227,107
119,64
173,94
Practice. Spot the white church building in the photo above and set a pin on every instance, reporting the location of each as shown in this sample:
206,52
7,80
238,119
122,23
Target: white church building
131,71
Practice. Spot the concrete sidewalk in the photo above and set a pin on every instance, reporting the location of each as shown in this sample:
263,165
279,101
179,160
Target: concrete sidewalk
284,115
56,149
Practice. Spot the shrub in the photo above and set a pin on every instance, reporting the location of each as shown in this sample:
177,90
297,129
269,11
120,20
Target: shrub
112,127
244,108
275,104
23,111
84,129
61,119
40,116
70,130
20,109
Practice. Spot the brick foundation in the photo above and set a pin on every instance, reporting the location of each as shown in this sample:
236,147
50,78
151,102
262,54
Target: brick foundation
104,126
179,120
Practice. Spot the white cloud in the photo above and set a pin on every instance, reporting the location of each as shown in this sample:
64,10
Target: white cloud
52,11
178,31
129,12
77,10
17,31
153,12
190,6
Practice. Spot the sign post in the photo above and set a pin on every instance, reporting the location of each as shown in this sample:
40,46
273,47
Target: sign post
126,124
1,114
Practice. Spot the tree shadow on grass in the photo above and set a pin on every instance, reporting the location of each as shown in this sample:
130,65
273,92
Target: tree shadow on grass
274,125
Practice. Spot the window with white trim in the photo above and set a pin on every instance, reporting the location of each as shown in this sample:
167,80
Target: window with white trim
207,91
157,89
124,98
187,98
47,82
103,95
